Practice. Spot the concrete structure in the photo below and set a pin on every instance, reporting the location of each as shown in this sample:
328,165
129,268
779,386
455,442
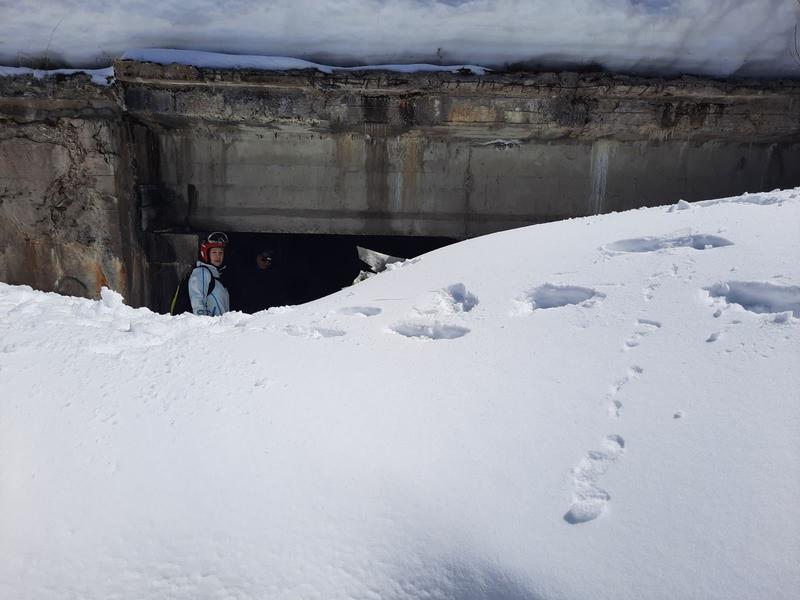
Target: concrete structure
68,216
106,185
443,154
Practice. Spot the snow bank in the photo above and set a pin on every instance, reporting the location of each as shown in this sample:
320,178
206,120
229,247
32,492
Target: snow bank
217,60
98,76
597,408
719,38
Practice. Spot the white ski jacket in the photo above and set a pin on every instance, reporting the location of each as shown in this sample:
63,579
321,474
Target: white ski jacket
203,303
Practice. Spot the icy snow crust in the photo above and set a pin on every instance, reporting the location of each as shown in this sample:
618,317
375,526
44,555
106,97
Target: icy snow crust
216,60
718,38
523,415
98,76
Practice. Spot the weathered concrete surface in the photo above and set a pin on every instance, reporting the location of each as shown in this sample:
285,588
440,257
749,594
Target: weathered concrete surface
442,154
67,214
107,186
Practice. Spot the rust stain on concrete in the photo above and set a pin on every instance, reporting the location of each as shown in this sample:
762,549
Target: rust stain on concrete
99,278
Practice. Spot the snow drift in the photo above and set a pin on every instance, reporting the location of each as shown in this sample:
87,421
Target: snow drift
599,408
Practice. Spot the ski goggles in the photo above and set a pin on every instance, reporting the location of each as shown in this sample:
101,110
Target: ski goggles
217,237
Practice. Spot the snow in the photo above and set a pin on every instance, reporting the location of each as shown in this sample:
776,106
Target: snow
719,38
268,63
557,411
98,76
217,60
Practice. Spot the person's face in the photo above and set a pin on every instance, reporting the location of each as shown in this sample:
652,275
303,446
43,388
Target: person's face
216,256
263,262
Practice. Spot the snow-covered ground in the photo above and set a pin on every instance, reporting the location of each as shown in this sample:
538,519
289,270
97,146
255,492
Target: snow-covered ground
600,408
720,38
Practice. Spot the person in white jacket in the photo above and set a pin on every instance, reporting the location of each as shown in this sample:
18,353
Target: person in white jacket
206,291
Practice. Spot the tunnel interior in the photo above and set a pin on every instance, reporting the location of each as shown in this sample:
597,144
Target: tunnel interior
304,267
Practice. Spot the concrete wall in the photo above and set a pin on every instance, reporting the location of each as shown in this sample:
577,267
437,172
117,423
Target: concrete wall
447,155
414,185
107,186
67,212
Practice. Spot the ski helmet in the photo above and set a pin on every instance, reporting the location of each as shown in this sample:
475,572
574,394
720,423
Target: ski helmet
214,240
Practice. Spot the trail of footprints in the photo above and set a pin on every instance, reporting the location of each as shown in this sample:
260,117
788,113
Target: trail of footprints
434,321
589,499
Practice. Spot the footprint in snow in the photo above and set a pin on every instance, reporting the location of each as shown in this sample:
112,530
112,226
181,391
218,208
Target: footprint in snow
457,298
653,244
450,300
649,291
432,331
555,296
643,328
589,500
313,333
364,311
759,297
425,321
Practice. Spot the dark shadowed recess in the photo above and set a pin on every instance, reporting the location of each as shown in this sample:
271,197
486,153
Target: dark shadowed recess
313,266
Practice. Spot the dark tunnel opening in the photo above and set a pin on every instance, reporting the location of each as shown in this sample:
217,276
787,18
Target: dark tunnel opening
304,267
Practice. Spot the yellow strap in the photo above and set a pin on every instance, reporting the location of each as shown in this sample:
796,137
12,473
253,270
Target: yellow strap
175,298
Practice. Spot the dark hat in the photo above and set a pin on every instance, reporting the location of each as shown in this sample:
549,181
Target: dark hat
266,253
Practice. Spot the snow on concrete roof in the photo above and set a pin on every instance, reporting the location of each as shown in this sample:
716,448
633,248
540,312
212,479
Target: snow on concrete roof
651,37
216,60
98,76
